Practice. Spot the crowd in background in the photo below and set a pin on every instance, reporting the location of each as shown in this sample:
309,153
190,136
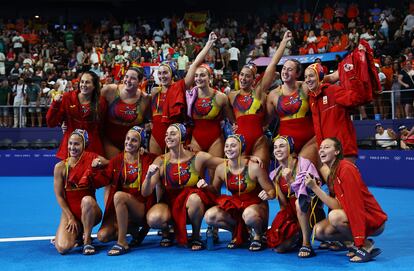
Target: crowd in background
39,59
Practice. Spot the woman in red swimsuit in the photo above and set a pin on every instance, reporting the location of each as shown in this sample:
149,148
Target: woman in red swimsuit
250,187
168,100
177,172
249,106
81,109
75,194
207,114
127,107
126,173
289,102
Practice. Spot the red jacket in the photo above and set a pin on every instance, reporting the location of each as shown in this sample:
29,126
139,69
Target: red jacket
364,214
363,68
70,111
330,106
174,108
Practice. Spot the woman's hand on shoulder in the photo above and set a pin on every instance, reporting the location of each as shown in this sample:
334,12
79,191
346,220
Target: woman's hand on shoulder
256,160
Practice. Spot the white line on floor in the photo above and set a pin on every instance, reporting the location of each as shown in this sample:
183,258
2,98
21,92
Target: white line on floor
42,238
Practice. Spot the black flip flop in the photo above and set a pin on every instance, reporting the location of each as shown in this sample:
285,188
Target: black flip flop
366,256
309,250
117,250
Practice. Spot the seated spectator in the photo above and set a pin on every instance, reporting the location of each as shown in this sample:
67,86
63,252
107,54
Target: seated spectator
407,140
385,139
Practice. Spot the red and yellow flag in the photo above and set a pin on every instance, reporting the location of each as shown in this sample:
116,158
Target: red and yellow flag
196,22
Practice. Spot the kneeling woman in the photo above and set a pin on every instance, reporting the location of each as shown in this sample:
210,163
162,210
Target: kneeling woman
296,206
177,172
125,172
250,188
75,193
355,213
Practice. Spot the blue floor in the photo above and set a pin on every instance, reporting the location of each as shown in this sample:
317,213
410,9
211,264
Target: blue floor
28,209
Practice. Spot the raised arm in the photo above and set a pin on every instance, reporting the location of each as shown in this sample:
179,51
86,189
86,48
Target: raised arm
271,68
189,78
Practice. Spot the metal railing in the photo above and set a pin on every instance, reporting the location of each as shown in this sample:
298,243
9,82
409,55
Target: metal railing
22,113
389,105
375,144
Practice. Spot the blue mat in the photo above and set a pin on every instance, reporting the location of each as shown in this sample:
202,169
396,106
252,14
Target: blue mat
29,209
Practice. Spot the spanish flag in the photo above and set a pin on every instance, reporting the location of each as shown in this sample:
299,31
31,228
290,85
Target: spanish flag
196,22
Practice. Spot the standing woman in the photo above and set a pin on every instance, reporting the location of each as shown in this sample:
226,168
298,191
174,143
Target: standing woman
168,101
331,105
127,107
126,172
80,109
396,87
75,193
177,172
290,103
297,209
207,111
249,105
246,207
355,213
407,82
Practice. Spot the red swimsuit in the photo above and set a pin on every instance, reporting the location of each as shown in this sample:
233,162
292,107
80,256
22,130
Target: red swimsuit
250,117
245,193
295,118
77,183
206,115
121,118
180,182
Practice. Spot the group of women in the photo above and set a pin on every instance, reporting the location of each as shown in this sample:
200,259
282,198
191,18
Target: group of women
166,187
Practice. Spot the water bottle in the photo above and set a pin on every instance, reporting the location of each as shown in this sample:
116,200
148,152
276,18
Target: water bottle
210,238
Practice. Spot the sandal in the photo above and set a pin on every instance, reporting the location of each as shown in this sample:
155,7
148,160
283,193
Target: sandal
233,244
352,249
365,256
137,240
309,250
256,245
88,250
117,250
197,245
166,242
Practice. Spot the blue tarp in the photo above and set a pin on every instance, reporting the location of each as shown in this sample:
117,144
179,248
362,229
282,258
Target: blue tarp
304,59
